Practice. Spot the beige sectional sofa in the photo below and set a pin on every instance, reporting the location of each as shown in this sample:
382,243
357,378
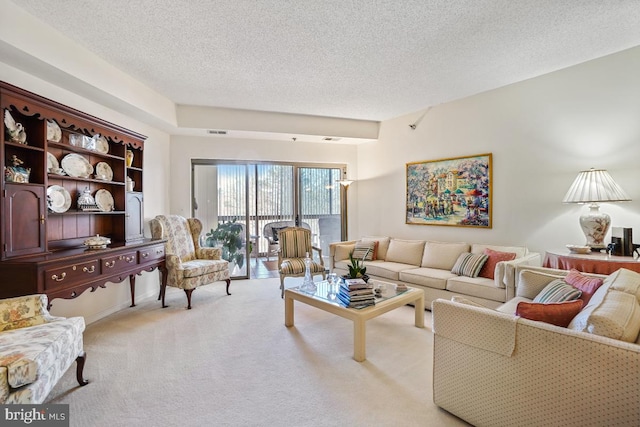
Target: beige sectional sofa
427,265
493,368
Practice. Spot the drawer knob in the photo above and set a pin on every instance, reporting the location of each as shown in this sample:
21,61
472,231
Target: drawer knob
145,255
59,279
89,270
129,259
110,264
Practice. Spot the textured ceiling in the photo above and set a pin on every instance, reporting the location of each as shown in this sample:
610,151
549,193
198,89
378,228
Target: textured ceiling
362,59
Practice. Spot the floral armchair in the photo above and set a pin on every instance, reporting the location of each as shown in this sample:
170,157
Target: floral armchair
187,264
295,244
36,349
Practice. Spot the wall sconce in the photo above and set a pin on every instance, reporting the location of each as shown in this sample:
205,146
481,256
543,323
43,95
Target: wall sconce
594,186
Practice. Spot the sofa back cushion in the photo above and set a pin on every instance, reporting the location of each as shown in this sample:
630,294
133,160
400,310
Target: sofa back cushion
617,316
530,283
442,255
383,245
520,251
405,251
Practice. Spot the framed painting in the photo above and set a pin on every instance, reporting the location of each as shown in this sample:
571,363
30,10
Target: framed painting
454,191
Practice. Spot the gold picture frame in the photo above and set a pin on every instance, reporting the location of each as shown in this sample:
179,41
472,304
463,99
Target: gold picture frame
455,192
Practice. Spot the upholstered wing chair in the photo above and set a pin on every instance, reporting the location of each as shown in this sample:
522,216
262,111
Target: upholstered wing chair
295,244
271,231
187,264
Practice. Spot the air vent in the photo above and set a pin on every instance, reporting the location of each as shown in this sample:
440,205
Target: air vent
216,132
328,138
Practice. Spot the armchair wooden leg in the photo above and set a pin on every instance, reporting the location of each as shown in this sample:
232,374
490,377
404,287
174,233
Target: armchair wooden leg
228,283
188,292
80,368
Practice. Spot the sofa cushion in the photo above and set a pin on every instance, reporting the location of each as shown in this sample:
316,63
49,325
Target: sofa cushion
555,313
385,269
489,268
342,252
520,251
510,306
428,277
588,285
480,287
627,281
383,245
199,267
365,250
617,316
405,251
442,255
530,283
469,264
557,291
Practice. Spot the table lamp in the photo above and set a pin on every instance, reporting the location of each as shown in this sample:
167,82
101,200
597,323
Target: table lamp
594,186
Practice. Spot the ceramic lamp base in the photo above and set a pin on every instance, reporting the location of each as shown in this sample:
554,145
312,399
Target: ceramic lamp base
595,225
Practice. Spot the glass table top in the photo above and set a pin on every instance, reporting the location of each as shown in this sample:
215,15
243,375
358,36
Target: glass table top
328,292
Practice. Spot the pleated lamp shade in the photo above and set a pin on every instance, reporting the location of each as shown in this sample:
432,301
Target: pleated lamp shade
593,186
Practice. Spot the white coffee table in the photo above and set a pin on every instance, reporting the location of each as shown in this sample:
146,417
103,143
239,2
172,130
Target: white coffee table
360,316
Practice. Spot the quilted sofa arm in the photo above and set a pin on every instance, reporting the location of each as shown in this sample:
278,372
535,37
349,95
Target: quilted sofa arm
505,272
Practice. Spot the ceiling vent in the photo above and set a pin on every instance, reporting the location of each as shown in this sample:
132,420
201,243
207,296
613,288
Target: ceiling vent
328,138
216,132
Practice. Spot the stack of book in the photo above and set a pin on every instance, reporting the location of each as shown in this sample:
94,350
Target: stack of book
355,293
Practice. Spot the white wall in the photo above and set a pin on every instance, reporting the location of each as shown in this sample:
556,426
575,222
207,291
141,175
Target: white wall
541,132
95,305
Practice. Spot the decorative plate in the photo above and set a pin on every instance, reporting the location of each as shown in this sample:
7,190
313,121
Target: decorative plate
52,163
104,200
53,131
102,145
77,166
104,171
58,199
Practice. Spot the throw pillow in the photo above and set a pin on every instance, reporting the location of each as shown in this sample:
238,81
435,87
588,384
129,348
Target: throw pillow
276,231
494,258
588,285
364,250
469,264
555,313
558,291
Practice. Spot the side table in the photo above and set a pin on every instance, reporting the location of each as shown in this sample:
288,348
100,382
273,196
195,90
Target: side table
595,262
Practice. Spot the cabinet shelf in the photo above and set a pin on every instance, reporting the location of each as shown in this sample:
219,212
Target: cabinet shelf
80,150
77,212
23,146
74,178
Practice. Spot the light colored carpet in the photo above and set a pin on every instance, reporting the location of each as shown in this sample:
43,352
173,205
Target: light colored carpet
230,361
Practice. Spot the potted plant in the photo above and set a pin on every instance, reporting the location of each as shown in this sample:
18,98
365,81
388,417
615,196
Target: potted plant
229,236
357,268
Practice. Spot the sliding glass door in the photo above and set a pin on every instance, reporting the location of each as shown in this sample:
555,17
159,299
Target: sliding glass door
245,197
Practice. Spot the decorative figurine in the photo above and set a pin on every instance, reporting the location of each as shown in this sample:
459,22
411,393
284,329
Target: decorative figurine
15,130
16,173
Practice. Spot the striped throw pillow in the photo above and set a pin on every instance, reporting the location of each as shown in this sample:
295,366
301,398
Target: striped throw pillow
469,264
364,250
558,291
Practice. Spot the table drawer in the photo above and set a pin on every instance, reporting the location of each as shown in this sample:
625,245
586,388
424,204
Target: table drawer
120,262
72,273
150,254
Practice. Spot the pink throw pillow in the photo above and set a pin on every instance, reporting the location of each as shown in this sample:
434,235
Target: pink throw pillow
555,313
494,257
588,285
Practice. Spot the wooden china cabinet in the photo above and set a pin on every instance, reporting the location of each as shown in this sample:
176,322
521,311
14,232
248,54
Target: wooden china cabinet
43,227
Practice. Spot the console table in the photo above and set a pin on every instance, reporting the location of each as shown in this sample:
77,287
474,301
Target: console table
595,262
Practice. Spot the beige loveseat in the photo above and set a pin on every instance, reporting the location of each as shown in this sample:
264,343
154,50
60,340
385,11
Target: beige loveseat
427,265
492,368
